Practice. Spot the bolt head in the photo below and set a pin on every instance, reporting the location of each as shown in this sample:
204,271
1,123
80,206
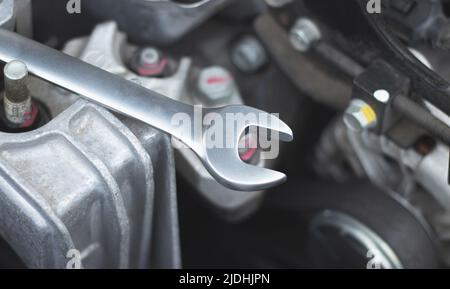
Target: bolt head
304,34
248,55
149,56
16,70
215,84
150,62
360,116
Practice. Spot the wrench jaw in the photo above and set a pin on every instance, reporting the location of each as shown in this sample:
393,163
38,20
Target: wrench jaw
229,170
248,116
225,164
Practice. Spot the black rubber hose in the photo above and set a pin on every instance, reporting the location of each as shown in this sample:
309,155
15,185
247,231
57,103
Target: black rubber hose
422,117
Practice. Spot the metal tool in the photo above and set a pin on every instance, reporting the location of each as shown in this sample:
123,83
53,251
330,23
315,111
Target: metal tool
132,100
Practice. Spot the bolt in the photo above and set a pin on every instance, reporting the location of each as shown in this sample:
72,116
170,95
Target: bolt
304,34
17,102
248,55
149,56
215,84
16,77
151,63
359,116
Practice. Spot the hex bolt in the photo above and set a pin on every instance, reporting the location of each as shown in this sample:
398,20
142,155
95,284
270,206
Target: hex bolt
151,63
149,56
304,34
17,100
248,55
360,116
215,85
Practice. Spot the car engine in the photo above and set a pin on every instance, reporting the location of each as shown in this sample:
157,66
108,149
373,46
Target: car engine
340,160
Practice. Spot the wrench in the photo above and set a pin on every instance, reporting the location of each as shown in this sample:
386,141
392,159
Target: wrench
135,101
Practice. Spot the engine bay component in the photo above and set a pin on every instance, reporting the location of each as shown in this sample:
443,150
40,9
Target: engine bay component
7,14
20,112
103,49
248,54
155,21
15,15
134,134
73,74
150,62
74,184
416,21
18,107
341,228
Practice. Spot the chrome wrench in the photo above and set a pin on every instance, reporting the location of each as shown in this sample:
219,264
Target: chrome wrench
133,100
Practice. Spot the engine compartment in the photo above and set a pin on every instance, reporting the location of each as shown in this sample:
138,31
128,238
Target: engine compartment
362,85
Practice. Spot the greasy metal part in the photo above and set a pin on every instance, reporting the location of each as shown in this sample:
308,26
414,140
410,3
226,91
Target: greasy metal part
150,107
299,67
157,22
85,182
165,247
15,15
165,250
105,43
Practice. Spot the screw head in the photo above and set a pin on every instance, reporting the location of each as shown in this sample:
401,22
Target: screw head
304,34
248,55
150,62
215,84
359,116
15,70
149,56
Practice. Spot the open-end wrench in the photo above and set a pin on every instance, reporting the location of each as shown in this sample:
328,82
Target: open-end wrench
135,101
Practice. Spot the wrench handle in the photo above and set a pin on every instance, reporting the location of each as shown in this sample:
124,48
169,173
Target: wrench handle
95,84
